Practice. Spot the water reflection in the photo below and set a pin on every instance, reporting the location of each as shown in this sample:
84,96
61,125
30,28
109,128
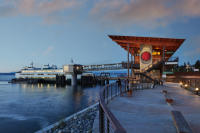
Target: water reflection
40,105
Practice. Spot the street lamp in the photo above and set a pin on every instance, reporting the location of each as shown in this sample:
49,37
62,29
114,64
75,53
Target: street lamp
186,85
197,90
181,84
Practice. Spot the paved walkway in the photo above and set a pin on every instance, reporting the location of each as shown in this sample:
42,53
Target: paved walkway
147,112
187,103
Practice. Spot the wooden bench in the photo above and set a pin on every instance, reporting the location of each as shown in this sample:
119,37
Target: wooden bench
180,123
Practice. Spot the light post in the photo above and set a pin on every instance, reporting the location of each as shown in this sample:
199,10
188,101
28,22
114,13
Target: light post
197,91
186,86
181,84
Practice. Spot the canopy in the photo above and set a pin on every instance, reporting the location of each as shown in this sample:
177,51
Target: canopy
169,45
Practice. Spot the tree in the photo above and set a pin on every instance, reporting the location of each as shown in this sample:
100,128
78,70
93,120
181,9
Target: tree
197,64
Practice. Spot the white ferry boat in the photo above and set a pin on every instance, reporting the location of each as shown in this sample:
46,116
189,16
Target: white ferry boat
46,72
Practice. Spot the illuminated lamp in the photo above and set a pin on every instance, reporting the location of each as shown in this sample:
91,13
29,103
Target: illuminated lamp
197,90
156,53
186,85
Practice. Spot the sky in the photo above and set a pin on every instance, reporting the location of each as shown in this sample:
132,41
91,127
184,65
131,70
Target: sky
56,31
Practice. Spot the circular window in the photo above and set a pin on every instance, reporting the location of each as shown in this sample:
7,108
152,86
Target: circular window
146,56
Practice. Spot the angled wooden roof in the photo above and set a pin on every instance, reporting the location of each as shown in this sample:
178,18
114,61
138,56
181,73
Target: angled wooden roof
170,44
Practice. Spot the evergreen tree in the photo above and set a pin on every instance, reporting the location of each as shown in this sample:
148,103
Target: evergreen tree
184,65
197,64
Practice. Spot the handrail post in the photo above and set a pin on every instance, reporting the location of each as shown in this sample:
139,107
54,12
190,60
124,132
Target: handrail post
116,90
101,119
107,120
111,90
107,88
125,89
125,84
108,125
104,94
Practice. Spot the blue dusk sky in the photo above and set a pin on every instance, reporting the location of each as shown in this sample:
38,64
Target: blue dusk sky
56,31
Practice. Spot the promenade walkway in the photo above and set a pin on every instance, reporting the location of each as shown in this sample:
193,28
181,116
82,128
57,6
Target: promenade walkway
187,103
147,112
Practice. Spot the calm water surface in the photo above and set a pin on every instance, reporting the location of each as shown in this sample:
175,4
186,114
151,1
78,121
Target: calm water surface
28,108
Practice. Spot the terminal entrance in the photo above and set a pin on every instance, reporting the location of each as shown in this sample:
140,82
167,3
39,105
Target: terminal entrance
152,54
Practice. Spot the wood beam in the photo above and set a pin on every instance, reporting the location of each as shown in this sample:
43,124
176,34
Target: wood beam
153,43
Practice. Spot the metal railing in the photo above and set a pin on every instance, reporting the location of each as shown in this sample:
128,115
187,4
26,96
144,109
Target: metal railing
107,121
114,66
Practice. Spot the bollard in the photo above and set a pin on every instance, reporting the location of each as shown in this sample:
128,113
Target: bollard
101,120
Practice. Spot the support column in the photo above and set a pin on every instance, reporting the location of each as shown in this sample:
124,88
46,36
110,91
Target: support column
74,79
132,63
128,61
135,55
163,57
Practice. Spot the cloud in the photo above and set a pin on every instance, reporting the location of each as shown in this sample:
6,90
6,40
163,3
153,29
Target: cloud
48,50
7,10
144,12
189,7
44,7
149,13
47,9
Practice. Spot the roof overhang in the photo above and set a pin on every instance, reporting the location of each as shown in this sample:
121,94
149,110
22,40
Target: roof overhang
134,42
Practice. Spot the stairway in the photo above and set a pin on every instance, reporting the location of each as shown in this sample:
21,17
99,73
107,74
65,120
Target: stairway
152,66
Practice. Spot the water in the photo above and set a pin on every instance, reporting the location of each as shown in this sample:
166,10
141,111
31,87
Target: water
28,108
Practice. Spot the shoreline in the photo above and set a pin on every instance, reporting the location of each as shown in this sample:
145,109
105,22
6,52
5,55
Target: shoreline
81,121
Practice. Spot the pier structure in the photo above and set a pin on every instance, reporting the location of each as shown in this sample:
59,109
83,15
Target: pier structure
149,56
122,110
73,70
49,74
111,66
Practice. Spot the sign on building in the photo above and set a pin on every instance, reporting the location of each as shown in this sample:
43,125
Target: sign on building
145,56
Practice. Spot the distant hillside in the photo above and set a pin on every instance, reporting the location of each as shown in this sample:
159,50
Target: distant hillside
12,73
7,76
